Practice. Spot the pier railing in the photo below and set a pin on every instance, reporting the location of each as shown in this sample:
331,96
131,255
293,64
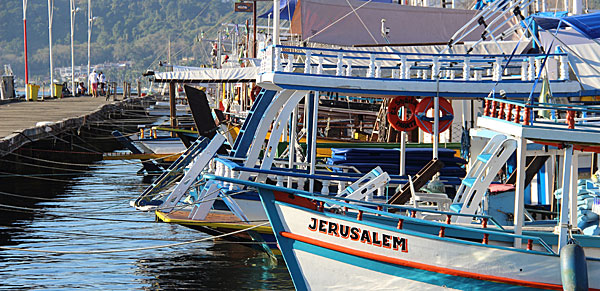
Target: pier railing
410,66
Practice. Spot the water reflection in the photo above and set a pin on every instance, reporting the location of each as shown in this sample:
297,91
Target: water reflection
221,266
69,219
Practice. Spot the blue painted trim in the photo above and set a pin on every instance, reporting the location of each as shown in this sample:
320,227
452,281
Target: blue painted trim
458,81
333,200
247,132
490,56
366,221
285,244
429,277
420,93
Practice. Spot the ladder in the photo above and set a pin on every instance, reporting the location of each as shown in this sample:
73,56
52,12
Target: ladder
246,136
211,191
196,167
474,186
171,174
364,187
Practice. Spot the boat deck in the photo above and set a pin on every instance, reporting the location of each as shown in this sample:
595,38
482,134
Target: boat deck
220,220
382,87
544,131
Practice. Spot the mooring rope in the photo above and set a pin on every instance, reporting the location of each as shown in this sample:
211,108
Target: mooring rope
3,227
91,165
76,171
7,174
57,199
20,209
134,249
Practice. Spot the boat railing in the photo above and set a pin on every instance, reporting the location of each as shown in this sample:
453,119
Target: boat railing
227,168
301,165
345,204
528,114
360,209
299,178
410,66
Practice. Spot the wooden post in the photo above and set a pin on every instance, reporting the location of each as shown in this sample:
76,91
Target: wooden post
172,107
139,88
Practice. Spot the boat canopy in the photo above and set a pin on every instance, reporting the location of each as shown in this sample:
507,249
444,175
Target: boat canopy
286,10
587,24
209,75
354,22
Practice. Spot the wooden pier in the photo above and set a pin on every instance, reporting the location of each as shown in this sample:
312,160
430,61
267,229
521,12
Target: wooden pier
25,122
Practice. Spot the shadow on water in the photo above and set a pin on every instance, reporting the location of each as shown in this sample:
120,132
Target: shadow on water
67,216
219,267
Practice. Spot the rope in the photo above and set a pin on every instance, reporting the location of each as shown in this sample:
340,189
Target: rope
110,236
59,180
362,22
340,19
75,145
90,165
135,249
76,171
55,199
203,200
21,209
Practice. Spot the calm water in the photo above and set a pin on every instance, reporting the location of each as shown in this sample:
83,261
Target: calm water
68,220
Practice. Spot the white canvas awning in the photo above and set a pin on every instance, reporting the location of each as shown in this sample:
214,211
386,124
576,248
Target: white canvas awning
588,71
209,75
578,47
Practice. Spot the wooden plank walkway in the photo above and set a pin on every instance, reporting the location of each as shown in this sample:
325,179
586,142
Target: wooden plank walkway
15,117
18,120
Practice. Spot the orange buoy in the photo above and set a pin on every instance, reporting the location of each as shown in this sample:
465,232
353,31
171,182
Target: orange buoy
408,122
425,123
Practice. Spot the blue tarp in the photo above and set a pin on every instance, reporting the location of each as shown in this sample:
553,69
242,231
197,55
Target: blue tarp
286,10
587,24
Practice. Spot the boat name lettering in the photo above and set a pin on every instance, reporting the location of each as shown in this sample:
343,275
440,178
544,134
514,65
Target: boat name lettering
357,234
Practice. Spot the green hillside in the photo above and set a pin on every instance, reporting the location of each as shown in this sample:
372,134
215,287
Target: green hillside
131,30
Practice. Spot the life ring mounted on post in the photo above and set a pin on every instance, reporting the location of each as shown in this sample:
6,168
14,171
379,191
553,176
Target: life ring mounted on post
409,104
425,123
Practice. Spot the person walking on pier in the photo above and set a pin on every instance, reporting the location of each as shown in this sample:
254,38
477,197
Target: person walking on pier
93,79
102,83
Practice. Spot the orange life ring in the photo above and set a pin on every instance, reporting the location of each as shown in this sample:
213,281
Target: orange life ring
425,123
408,123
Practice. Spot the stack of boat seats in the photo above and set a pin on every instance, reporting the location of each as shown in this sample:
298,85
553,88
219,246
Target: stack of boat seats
588,195
365,159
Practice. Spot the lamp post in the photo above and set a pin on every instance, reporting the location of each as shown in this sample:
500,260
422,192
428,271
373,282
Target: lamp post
73,11
50,17
90,22
25,47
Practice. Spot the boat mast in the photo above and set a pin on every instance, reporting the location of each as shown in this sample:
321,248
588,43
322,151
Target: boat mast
276,22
